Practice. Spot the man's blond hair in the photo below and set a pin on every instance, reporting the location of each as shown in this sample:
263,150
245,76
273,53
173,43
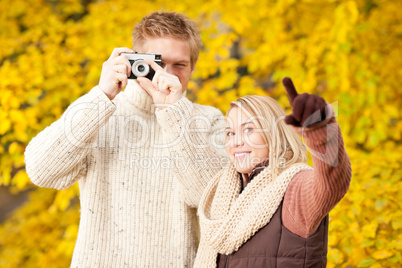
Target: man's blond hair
168,24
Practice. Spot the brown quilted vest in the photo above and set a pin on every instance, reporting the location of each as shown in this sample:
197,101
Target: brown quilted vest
275,246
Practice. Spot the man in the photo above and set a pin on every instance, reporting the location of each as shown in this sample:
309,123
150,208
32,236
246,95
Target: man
142,156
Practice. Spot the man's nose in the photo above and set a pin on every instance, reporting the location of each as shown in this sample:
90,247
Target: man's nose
168,68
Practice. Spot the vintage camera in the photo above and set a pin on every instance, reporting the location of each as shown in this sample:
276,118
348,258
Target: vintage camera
139,67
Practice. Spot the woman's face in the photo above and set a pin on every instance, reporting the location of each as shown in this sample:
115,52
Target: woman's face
244,142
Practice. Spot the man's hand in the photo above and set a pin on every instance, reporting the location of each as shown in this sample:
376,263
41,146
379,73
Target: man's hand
115,72
165,88
308,109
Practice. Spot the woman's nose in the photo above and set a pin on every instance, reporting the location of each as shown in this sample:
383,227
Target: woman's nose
238,140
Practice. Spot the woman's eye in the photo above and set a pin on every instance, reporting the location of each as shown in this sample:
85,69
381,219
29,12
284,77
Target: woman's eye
229,133
248,130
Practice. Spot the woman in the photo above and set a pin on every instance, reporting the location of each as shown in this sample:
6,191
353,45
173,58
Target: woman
269,208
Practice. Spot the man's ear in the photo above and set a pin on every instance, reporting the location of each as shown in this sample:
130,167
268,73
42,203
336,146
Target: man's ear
193,68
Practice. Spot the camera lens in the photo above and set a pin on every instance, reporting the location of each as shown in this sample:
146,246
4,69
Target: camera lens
140,68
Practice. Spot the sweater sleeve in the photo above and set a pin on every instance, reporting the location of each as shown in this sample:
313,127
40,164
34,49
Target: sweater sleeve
55,158
194,136
313,193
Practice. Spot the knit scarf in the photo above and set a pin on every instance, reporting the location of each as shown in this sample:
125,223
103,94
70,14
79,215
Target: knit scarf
229,218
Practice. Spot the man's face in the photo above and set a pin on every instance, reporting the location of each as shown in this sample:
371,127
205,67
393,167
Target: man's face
175,56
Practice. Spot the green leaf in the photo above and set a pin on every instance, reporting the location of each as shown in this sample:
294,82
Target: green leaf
366,262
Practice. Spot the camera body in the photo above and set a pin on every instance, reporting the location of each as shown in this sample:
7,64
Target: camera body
139,67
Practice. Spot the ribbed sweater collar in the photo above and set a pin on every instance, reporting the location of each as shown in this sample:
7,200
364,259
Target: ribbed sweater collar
137,96
257,170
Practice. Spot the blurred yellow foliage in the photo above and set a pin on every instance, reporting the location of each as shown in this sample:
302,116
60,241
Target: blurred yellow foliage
349,52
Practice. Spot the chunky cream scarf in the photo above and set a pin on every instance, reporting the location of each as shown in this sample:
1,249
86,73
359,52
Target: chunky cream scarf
229,218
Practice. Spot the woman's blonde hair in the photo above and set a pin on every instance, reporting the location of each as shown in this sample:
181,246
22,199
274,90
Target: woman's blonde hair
285,146
168,24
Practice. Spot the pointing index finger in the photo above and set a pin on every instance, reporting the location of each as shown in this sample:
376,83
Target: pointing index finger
290,89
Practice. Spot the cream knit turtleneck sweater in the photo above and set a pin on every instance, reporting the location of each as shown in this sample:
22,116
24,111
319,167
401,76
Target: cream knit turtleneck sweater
141,173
